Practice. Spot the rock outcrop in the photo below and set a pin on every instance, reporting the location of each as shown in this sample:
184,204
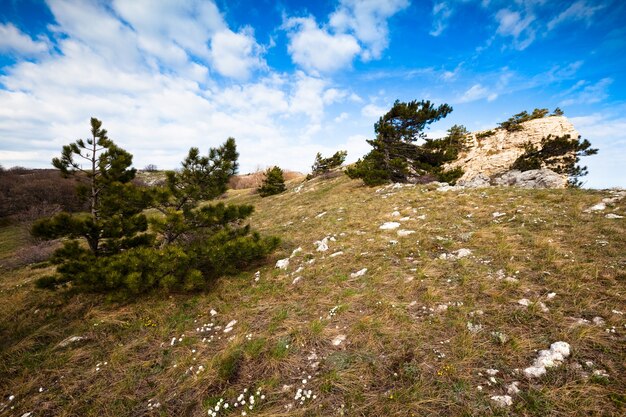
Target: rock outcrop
490,158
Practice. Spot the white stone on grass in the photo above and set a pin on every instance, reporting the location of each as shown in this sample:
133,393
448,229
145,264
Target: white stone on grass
282,263
461,253
339,339
502,400
336,254
322,245
597,207
613,216
403,232
358,273
557,353
389,226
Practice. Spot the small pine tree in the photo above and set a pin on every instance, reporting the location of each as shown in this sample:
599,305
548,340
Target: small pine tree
115,220
273,183
323,165
557,112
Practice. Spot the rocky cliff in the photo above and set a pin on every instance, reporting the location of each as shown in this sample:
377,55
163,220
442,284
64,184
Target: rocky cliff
491,156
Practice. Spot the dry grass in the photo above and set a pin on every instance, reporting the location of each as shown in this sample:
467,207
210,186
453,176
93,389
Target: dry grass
398,357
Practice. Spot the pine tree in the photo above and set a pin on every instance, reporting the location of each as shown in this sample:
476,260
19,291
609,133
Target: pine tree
561,154
200,178
323,165
273,183
394,147
115,219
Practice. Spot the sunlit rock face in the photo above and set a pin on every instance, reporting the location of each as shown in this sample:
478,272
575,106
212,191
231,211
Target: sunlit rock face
492,156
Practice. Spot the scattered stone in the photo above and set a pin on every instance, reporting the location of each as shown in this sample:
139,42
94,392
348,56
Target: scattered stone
502,400
336,254
498,214
295,251
479,181
257,276
71,340
389,226
296,280
213,312
613,216
461,253
557,353
513,388
282,263
358,273
403,232
322,214
229,326
322,245
474,328
596,207
598,321
339,339
601,373
395,214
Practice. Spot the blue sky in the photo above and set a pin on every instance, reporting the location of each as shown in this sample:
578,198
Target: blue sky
290,78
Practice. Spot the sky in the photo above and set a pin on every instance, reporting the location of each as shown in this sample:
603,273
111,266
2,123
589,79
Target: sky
291,78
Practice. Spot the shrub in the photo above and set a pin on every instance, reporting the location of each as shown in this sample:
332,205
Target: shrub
486,134
273,183
323,165
560,154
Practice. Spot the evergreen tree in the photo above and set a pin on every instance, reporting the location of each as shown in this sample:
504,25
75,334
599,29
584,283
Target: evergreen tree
200,178
394,147
324,165
115,220
561,154
273,183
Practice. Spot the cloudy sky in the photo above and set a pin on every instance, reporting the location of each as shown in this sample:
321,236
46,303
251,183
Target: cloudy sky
290,78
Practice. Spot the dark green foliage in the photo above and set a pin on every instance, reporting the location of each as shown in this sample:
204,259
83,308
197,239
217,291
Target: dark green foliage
561,154
115,221
173,268
323,165
394,150
200,178
192,245
273,183
557,112
485,134
514,123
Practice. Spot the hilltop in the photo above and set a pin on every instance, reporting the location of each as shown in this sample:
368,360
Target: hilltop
397,300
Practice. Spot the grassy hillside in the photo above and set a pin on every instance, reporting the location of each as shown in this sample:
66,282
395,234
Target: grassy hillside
425,330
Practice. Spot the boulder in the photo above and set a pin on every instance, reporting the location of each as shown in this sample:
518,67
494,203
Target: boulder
535,178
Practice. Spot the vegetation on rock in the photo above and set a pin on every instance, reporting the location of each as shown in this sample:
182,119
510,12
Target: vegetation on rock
397,158
324,165
561,154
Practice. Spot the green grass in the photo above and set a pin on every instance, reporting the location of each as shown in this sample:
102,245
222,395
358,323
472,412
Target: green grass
403,353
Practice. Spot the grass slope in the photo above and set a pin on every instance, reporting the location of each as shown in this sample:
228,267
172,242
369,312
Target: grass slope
414,335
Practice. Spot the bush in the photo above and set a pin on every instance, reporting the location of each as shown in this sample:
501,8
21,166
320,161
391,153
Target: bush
514,123
486,134
273,183
561,154
324,165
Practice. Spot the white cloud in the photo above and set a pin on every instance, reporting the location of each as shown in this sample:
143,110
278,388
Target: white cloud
608,134
441,13
477,92
373,111
584,92
343,116
367,20
14,41
235,55
315,49
511,23
579,10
